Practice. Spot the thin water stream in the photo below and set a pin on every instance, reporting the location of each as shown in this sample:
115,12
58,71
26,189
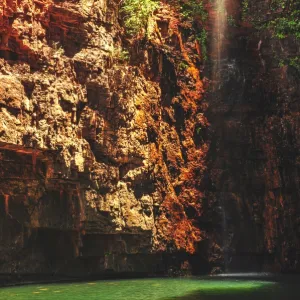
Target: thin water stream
218,57
218,38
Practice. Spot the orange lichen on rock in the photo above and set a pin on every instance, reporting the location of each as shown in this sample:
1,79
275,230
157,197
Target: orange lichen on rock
191,94
180,229
113,143
181,162
16,30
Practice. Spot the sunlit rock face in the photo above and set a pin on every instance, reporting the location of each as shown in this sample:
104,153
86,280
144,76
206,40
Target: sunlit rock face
253,160
100,160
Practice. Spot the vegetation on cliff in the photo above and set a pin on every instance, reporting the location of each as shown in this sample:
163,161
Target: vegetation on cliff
176,30
286,20
193,9
137,14
283,18
282,22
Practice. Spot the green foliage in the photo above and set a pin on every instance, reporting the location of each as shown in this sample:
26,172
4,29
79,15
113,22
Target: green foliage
283,18
193,9
286,25
137,13
277,5
58,49
281,63
293,62
183,66
117,53
202,38
198,130
123,55
231,21
245,8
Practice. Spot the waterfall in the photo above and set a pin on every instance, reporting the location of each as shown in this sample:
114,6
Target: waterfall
218,38
218,58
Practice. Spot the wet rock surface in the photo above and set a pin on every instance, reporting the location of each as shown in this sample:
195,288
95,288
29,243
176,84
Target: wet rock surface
253,159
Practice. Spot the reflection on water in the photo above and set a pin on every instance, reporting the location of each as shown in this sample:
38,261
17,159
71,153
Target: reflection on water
159,289
244,275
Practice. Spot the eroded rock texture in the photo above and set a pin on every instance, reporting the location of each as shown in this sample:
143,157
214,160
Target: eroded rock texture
119,161
100,167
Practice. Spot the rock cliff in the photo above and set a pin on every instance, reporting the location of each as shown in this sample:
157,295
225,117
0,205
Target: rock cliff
99,166
253,158
124,154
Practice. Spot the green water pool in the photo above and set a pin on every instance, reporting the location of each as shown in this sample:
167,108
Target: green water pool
152,289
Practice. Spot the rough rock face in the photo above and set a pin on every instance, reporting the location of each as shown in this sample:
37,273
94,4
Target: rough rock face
124,164
100,169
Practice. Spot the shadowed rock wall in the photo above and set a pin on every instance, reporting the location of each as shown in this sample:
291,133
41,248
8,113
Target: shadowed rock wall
253,159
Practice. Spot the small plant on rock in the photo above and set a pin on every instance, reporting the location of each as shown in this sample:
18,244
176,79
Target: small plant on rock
231,21
58,49
202,38
137,14
182,66
117,53
286,25
192,9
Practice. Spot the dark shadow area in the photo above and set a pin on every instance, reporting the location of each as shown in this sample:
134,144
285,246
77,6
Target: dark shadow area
168,83
200,295
64,30
9,55
278,293
264,287
252,179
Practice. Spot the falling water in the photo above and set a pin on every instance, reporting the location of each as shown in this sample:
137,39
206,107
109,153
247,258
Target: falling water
219,55
218,38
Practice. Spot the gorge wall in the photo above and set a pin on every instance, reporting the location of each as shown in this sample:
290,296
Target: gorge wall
253,157
98,161
122,155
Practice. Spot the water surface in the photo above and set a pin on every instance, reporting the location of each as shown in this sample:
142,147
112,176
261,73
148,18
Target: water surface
158,289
